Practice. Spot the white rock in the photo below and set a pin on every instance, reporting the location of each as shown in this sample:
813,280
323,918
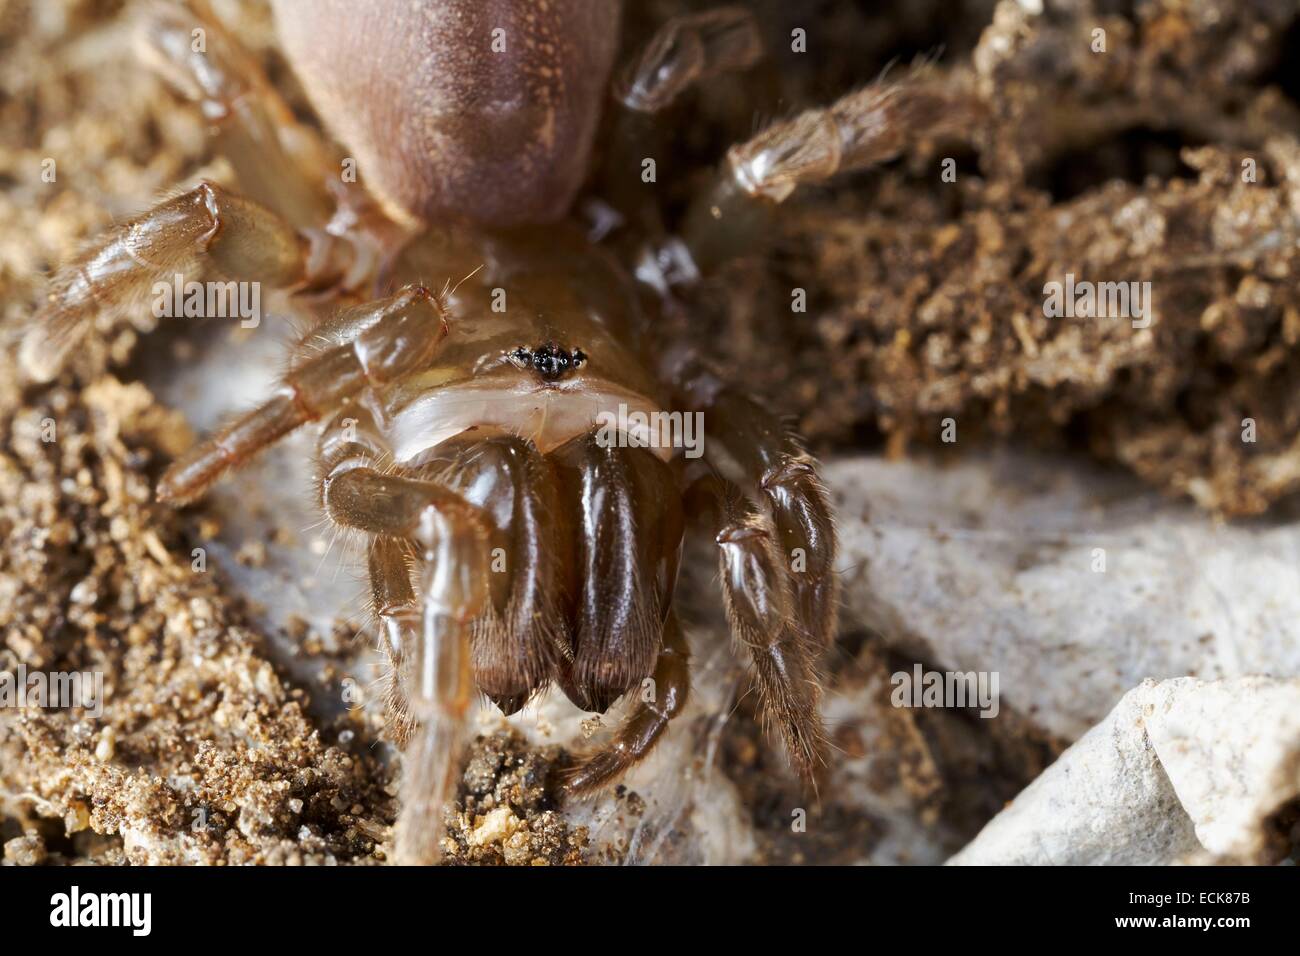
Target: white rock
993,565
1177,768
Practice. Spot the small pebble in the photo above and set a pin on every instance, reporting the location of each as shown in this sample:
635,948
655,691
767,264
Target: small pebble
107,745
26,850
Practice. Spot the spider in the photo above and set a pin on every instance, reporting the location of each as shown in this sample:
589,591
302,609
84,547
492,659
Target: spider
509,547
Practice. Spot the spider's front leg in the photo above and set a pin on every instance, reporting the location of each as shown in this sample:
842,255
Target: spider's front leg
762,611
428,563
429,648
427,623
384,340
238,236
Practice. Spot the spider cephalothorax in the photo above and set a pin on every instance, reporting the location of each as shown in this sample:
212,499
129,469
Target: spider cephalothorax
511,544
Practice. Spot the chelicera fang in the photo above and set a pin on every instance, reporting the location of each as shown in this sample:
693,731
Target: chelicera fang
454,431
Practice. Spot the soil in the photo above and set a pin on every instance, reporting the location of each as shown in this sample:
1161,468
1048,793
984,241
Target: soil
1171,158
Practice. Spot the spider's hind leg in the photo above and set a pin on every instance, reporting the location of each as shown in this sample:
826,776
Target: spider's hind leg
278,161
687,50
207,223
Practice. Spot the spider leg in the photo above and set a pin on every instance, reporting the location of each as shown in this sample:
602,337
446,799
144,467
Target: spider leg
379,503
760,603
625,509
755,451
659,703
428,625
353,440
238,236
393,598
776,552
405,332
428,559
278,161
864,128
687,50
784,478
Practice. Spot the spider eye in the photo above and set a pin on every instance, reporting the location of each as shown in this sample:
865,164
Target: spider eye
548,360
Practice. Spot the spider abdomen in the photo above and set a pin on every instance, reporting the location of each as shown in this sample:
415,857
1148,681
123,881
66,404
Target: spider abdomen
483,109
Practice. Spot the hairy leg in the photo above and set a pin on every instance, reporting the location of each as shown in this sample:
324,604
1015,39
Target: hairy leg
784,478
864,128
429,562
266,239
764,504
206,223
754,450
761,609
400,333
431,658
389,563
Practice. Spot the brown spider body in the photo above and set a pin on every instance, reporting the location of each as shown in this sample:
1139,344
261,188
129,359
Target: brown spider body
512,433
512,541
